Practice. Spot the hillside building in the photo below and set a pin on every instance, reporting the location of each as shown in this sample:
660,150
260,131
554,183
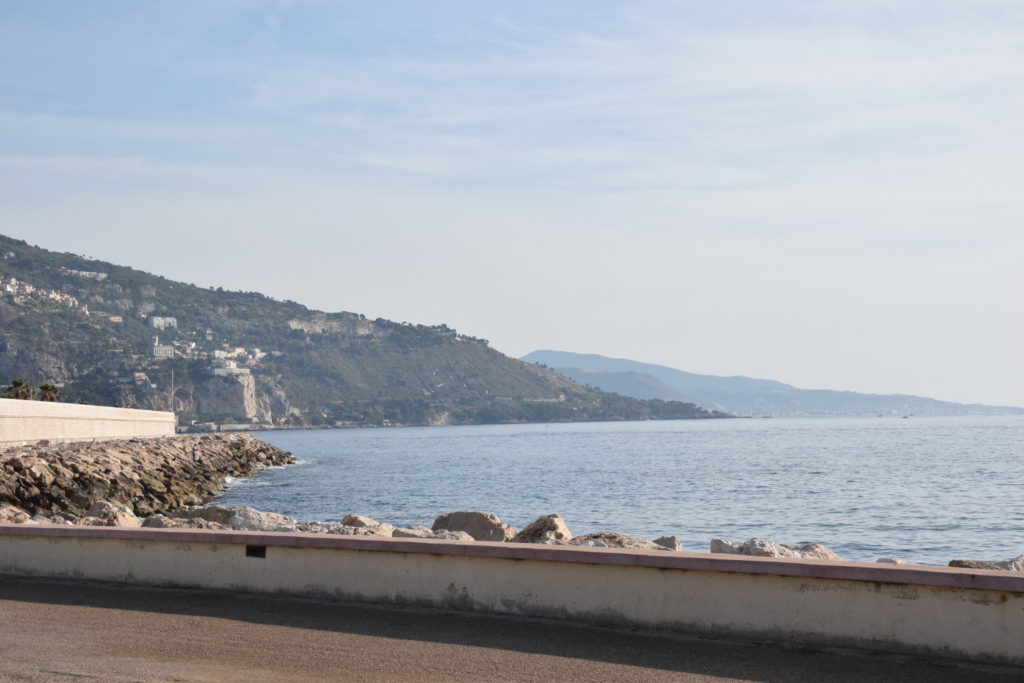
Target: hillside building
158,322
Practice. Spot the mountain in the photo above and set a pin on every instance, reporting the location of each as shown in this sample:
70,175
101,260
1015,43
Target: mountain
741,395
113,335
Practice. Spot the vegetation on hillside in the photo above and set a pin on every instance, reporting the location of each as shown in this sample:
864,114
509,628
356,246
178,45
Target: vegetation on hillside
108,334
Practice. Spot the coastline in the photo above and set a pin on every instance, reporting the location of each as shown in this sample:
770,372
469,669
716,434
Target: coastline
170,482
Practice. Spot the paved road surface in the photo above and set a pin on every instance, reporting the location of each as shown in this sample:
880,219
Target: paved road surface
66,631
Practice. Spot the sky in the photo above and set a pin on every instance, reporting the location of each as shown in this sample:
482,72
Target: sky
824,193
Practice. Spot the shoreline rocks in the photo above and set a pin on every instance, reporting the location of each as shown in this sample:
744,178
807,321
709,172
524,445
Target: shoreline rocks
546,529
612,539
482,526
759,547
164,482
147,476
1015,564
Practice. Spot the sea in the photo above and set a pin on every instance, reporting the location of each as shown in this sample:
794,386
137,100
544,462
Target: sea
923,489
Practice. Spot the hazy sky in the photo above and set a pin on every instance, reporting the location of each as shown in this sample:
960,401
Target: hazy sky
826,193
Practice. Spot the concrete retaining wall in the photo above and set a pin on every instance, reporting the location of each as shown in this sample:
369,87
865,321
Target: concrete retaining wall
972,614
24,422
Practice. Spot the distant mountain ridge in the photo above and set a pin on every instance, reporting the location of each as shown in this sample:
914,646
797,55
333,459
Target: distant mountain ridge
113,335
741,395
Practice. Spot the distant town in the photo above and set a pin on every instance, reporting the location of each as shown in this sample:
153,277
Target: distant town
226,359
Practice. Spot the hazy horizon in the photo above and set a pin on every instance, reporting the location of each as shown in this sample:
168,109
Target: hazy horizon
821,194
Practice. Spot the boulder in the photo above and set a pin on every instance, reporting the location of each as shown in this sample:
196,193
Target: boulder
336,528
611,539
359,520
423,532
546,529
239,517
759,547
973,564
12,514
1014,565
105,513
376,528
415,531
161,522
669,543
58,518
482,526
815,551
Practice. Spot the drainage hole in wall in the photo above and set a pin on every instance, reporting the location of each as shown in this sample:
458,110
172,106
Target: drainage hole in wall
255,551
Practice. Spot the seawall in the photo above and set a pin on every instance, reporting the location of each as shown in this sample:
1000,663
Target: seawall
25,422
147,475
958,613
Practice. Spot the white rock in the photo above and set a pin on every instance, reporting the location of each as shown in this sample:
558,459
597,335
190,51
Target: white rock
669,543
612,539
415,531
240,518
423,532
1014,565
159,521
759,547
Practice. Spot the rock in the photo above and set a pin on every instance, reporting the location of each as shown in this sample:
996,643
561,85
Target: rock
546,529
240,518
12,514
57,520
159,521
973,564
336,528
424,532
482,526
891,560
611,539
104,507
376,528
815,551
759,547
446,535
105,513
359,520
1014,565
414,531
669,543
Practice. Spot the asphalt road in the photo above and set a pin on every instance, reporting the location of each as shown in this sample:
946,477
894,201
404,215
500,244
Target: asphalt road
68,631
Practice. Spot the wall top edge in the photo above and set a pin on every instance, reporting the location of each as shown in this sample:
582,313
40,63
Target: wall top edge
949,577
10,407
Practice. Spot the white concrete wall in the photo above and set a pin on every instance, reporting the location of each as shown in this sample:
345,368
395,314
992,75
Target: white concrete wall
958,613
24,422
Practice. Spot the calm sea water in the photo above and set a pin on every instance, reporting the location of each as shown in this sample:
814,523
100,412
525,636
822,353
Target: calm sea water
924,489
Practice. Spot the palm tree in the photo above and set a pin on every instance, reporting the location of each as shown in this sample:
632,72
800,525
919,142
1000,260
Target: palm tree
48,392
19,389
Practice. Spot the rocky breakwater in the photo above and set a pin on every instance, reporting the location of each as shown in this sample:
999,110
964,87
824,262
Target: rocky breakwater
144,476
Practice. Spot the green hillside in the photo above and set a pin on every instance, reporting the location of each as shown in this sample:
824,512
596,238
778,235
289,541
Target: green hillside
113,335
